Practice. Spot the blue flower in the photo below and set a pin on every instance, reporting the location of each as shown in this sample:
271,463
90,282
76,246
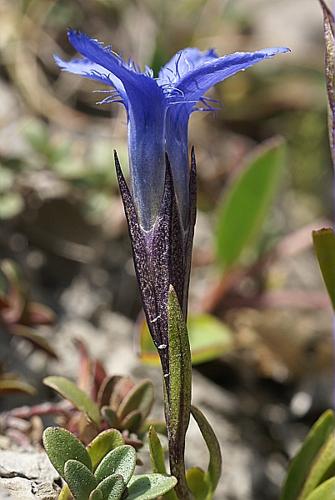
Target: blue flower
158,110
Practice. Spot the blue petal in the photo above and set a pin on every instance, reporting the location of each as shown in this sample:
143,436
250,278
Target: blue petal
146,124
182,63
195,83
189,88
85,67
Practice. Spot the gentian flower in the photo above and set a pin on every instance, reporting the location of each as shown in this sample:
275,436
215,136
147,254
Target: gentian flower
160,204
158,109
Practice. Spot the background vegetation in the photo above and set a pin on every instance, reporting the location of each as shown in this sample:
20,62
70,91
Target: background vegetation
62,222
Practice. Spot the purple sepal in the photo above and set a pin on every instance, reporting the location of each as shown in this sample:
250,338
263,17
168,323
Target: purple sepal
162,256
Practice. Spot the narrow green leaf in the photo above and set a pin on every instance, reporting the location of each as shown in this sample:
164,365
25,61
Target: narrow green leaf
139,398
65,493
36,340
149,486
303,461
198,483
157,458
179,401
326,491
102,444
156,452
61,446
120,461
215,458
112,487
79,479
323,467
247,202
9,385
78,398
324,245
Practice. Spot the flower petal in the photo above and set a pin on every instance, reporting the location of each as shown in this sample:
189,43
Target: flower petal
195,83
182,63
146,124
208,69
85,67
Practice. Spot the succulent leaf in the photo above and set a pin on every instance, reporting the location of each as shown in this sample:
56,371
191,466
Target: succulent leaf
79,398
110,416
198,483
149,486
140,398
79,479
132,422
102,444
112,487
120,461
61,446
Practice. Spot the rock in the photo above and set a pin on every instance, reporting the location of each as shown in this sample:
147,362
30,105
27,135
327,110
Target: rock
26,475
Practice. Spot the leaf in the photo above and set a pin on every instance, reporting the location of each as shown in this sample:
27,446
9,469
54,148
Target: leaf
157,458
78,398
179,398
326,491
65,493
61,446
156,452
303,461
247,202
11,385
37,340
106,389
95,495
120,461
140,397
158,425
79,479
323,467
215,458
38,314
149,486
198,483
209,339
102,444
120,391
132,422
110,416
324,246
112,487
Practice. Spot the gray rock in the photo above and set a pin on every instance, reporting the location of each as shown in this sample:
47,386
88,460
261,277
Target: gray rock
27,475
